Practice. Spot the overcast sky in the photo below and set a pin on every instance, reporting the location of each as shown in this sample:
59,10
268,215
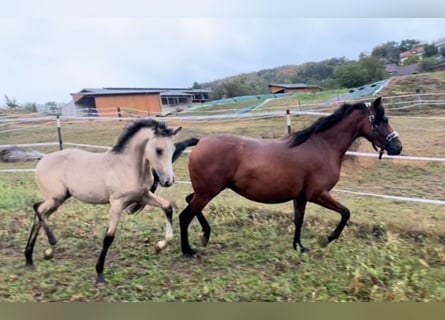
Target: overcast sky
50,50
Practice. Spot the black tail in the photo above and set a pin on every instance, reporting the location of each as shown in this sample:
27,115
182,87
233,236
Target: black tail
179,149
182,145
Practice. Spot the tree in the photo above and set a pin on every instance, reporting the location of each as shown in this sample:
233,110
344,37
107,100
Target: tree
52,107
350,75
430,50
196,85
411,60
374,68
358,73
427,64
10,102
30,106
408,44
388,51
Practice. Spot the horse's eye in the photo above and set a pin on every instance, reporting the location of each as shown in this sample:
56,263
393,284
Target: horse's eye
159,151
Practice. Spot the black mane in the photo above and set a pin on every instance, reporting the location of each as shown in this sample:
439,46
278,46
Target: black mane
160,129
323,124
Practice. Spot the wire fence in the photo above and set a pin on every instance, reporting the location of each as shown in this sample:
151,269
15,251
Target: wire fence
18,123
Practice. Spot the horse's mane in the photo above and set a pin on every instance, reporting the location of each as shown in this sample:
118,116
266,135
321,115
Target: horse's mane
159,128
322,124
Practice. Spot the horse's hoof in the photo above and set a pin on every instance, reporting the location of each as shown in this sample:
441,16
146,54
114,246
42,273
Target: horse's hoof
204,240
52,239
323,241
160,245
304,249
100,281
30,266
190,253
48,254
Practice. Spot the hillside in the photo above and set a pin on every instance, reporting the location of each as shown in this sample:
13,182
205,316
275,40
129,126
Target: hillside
424,83
316,73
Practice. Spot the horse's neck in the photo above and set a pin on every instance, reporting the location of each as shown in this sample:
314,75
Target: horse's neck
340,136
135,153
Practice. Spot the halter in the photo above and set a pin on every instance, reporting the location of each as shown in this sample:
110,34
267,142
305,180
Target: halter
375,128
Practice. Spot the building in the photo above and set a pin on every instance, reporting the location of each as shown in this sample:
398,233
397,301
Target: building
395,70
417,51
293,88
134,101
439,67
440,44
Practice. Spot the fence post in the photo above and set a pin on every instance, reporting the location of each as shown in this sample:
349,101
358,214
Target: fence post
289,130
59,132
119,113
419,99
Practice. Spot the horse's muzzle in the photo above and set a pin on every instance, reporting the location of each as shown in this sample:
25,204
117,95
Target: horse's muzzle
394,148
167,182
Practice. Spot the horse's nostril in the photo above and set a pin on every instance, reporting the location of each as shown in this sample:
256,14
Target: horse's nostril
168,183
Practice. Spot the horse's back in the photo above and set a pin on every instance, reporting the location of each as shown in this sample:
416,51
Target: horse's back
59,159
55,170
236,162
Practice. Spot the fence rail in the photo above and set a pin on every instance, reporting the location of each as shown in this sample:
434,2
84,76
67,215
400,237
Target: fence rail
307,109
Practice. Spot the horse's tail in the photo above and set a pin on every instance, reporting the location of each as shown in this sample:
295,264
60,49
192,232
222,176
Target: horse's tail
182,145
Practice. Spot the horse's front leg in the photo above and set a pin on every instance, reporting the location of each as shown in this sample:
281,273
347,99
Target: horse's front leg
326,200
154,200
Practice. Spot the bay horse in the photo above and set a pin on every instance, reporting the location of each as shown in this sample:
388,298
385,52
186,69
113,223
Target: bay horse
119,177
303,166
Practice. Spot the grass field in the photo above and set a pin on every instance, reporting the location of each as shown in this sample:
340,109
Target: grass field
391,250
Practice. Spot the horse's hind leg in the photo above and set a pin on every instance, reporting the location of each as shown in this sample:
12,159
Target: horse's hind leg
32,240
299,208
203,221
196,204
42,210
205,237
116,208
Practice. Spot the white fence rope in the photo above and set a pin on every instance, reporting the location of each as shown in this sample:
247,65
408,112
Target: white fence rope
433,201
351,153
237,117
399,198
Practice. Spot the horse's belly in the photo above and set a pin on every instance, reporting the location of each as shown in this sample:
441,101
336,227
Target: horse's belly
267,193
91,196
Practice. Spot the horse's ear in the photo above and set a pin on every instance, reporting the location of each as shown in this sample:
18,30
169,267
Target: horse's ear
377,102
177,130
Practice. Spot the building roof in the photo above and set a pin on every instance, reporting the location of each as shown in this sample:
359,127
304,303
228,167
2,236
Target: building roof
292,85
416,50
114,91
126,91
401,70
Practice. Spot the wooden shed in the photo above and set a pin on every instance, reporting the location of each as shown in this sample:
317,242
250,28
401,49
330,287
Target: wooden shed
105,102
139,101
292,88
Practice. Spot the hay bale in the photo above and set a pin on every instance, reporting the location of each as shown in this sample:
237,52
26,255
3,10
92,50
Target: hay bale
18,154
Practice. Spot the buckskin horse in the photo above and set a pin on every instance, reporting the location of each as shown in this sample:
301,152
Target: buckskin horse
303,166
119,177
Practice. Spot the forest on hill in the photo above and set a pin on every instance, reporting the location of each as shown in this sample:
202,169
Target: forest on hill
333,73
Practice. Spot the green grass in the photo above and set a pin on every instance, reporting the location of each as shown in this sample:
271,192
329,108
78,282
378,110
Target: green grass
390,251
